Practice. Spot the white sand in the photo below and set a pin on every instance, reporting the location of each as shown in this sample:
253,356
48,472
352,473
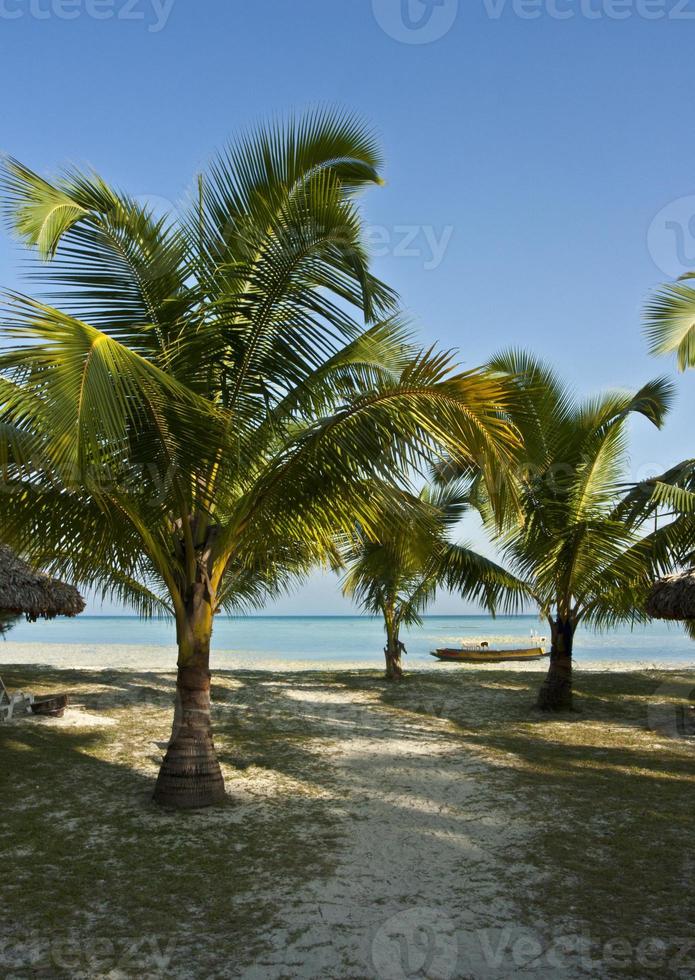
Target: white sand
417,892
71,718
433,865
112,656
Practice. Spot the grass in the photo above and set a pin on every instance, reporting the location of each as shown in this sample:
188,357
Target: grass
99,880
612,803
92,866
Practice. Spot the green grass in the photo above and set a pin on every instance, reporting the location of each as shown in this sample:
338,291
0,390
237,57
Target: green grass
91,860
89,863
612,801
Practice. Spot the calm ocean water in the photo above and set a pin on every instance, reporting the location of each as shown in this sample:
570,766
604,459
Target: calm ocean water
344,638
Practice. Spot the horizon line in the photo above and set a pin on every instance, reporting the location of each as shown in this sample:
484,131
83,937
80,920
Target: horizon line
154,619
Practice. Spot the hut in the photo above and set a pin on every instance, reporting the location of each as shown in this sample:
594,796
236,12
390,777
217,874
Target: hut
25,592
673,597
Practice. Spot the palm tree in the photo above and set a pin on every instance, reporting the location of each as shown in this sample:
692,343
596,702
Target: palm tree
669,318
579,542
398,576
7,621
205,399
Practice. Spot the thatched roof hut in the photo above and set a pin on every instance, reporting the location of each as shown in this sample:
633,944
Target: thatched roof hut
673,597
34,594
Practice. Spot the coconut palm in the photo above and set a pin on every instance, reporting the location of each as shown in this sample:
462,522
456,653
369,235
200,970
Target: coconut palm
579,543
7,621
669,318
205,399
670,327
397,577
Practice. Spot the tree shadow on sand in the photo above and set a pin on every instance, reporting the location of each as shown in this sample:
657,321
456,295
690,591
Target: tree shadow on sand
610,798
594,806
89,860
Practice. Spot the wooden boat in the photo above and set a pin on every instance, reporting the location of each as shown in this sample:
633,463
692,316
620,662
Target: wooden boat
487,656
54,707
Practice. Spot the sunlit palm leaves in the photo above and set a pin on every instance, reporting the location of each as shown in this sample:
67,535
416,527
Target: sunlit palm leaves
581,547
670,328
222,391
670,322
398,575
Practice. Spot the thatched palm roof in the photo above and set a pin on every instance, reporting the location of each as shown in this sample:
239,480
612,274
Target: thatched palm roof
34,594
673,597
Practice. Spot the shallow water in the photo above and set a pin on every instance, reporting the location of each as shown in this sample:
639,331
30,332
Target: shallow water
332,640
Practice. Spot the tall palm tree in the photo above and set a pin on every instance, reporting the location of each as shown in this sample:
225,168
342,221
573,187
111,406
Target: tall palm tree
579,542
397,577
204,400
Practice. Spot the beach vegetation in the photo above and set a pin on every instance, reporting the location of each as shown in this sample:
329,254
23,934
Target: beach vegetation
201,401
398,576
580,541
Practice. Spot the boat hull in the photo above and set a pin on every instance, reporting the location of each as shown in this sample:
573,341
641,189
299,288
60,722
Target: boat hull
50,707
489,656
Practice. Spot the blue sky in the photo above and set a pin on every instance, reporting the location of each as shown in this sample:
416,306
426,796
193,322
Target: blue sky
540,153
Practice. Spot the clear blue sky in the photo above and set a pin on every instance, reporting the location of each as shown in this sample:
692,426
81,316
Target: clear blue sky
538,151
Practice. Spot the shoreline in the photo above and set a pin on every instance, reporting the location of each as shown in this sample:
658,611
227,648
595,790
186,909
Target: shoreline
161,659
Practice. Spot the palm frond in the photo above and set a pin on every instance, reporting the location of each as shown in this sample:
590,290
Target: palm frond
113,263
214,399
669,319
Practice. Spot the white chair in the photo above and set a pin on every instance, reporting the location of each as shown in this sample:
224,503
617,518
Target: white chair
11,704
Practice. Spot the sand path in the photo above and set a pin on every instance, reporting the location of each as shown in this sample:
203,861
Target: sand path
429,862
433,829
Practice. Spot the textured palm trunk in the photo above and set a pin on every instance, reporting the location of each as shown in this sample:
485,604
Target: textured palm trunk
392,652
556,691
190,775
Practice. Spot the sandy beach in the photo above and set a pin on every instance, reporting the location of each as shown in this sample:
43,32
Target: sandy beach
344,347
114,655
436,828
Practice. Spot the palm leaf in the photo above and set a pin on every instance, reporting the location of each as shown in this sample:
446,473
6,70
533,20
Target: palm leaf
670,323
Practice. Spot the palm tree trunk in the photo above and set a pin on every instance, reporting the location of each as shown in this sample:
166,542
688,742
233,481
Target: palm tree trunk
190,775
556,691
392,652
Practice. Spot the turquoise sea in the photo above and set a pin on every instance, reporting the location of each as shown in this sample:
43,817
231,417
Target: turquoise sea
333,639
